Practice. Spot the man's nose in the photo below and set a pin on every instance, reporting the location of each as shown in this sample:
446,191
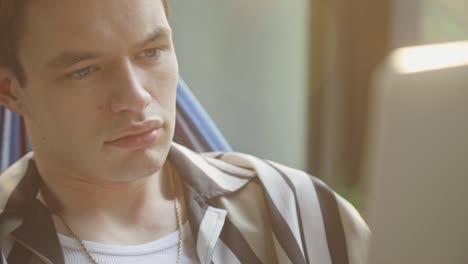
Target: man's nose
129,93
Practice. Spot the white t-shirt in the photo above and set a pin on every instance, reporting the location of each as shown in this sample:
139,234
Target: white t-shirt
163,251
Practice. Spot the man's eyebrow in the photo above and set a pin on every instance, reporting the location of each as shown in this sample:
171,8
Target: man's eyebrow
68,58
157,33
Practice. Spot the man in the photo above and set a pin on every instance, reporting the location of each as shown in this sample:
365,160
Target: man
95,82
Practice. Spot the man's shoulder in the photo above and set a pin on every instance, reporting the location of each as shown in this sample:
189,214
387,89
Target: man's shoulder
307,206
237,166
267,173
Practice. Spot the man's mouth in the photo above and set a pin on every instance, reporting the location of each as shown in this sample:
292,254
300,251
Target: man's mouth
138,136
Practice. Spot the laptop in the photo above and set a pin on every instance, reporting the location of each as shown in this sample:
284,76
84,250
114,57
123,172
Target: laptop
417,157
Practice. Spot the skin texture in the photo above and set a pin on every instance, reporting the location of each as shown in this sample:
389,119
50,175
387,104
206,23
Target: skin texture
72,108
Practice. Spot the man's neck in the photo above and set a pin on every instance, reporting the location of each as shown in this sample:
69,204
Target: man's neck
112,212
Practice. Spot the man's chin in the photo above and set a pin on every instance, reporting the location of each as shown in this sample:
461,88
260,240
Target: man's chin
139,164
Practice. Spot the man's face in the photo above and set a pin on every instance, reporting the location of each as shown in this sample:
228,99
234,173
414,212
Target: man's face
94,69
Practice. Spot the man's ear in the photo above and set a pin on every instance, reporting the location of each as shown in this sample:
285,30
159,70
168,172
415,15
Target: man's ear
9,86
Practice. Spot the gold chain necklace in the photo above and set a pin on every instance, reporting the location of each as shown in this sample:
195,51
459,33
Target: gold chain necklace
179,224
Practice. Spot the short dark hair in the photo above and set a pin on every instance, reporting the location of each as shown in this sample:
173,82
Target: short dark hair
11,19
11,13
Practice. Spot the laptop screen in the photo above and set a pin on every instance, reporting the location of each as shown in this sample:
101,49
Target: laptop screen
417,158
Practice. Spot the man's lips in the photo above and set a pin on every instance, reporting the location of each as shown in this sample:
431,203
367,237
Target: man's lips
138,136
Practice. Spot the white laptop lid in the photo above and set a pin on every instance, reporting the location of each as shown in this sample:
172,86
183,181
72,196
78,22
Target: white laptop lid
418,157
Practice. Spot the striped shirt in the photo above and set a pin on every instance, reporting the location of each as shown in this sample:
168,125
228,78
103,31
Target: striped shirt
241,209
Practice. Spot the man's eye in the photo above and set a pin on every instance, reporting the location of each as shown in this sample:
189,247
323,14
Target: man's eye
149,53
82,73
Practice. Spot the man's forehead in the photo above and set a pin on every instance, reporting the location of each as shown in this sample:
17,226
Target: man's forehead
53,25
91,16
